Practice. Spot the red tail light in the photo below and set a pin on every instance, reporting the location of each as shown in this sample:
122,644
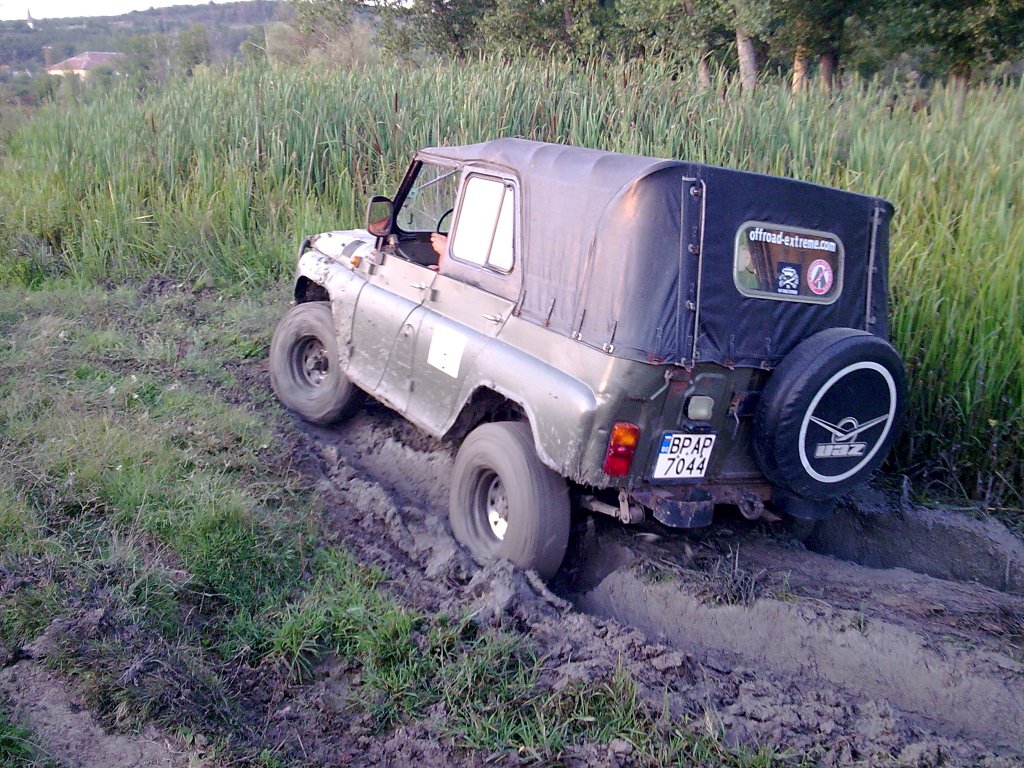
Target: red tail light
621,448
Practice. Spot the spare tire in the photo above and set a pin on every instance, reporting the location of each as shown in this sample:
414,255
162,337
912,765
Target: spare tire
830,413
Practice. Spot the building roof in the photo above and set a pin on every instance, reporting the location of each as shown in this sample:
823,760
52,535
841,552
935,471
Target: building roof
86,61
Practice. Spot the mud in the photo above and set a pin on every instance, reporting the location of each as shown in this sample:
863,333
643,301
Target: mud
71,735
942,683
894,637
740,628
873,529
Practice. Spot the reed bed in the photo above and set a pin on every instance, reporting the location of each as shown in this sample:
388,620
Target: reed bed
215,178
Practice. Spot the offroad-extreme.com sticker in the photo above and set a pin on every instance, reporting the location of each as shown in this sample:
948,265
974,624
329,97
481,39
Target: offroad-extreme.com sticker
773,261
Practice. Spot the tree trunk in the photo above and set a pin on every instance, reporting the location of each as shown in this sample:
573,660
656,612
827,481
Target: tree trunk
748,61
959,80
567,23
827,71
704,70
800,76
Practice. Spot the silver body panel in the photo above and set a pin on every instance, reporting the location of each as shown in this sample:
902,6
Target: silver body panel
425,343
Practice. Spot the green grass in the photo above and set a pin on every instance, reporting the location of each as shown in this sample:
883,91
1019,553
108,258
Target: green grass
18,748
165,502
213,180
133,487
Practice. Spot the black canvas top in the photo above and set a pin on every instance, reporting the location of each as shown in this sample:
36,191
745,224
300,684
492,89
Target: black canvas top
636,255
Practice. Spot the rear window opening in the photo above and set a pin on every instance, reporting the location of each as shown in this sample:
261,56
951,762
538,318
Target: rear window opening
784,263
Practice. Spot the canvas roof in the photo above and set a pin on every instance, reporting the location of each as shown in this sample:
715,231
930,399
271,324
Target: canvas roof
635,253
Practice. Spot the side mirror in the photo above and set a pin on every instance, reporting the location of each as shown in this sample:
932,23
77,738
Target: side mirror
378,215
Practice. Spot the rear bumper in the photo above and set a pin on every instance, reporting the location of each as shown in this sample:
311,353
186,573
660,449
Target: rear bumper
693,506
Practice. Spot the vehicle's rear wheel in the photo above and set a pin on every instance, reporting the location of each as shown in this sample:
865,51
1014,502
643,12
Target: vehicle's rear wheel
505,504
304,368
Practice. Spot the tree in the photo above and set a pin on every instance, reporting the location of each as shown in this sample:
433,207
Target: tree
960,35
688,27
148,58
283,43
323,20
193,48
103,79
813,28
751,19
514,24
254,47
442,26
459,27
439,26
954,38
575,24
701,26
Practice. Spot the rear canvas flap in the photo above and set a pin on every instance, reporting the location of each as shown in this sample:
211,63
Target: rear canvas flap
817,245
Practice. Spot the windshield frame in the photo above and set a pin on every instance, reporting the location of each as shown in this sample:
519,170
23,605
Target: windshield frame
408,188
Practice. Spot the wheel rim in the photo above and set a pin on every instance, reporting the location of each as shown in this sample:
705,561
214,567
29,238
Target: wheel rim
311,361
492,504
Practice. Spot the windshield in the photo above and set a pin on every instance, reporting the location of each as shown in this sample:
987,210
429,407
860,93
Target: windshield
430,198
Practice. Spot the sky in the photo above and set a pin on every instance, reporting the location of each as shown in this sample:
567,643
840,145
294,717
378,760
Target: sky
51,9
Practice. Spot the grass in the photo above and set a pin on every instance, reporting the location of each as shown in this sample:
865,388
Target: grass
212,180
154,500
18,747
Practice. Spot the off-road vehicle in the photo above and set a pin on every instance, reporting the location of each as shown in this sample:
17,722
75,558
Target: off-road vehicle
632,333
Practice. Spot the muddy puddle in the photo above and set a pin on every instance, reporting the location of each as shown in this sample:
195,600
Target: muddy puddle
879,531
945,654
895,635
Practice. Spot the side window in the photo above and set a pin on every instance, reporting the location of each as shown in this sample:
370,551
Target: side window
485,225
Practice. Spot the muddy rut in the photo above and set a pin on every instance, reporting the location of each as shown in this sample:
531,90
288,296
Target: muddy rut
894,636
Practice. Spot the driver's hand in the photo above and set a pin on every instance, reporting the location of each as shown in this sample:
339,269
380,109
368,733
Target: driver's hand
439,243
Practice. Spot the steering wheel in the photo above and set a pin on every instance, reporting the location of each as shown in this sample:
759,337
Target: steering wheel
440,221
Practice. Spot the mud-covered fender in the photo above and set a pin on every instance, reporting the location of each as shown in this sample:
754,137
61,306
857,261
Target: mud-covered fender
330,260
559,407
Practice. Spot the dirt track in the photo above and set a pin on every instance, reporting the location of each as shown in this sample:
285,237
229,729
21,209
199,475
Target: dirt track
748,629
738,629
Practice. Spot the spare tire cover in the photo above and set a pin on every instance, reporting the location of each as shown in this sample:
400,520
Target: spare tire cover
830,412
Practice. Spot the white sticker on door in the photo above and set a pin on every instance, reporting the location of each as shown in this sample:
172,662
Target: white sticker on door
445,353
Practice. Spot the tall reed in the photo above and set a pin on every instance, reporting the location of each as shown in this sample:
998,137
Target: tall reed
219,175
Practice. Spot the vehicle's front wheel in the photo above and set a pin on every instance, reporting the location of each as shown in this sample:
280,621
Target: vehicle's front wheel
505,503
304,368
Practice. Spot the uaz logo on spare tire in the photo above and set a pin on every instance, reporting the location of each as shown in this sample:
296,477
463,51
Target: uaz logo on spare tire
829,413
842,437
843,434
835,445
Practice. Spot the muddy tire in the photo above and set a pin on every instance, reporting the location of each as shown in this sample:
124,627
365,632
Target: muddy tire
304,368
829,413
505,504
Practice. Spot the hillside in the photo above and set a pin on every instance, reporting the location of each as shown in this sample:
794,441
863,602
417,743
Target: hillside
21,48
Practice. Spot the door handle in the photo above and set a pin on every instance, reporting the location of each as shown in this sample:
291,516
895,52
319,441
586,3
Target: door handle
418,286
492,318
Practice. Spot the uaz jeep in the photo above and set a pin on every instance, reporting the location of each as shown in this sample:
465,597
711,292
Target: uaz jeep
652,335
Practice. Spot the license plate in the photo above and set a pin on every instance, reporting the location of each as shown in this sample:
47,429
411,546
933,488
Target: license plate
683,456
